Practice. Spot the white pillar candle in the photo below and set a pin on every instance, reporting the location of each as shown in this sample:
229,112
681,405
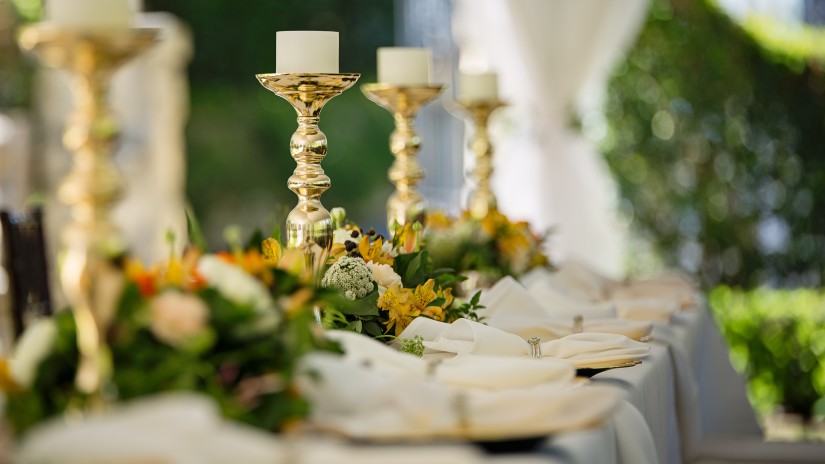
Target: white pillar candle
478,87
404,65
306,52
91,14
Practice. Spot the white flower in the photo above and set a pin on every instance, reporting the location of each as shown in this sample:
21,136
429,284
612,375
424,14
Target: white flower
342,235
350,276
388,249
384,276
177,317
34,346
240,288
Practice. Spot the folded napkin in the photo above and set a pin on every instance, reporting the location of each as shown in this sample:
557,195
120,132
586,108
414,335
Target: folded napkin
510,307
178,428
583,350
403,407
480,372
680,291
646,309
559,304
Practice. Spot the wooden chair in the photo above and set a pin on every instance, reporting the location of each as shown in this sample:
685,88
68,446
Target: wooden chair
24,258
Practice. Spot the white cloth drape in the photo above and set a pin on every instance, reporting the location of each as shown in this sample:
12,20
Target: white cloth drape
552,57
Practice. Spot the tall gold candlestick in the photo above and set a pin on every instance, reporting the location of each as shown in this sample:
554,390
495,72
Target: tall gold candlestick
406,204
309,223
482,199
88,278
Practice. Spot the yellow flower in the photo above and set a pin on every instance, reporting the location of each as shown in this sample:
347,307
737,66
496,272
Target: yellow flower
408,238
372,251
7,383
398,302
272,251
423,296
438,219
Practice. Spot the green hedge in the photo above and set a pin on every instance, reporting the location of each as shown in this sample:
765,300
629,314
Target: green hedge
777,340
715,139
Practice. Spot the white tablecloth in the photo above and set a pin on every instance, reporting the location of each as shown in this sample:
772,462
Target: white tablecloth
681,406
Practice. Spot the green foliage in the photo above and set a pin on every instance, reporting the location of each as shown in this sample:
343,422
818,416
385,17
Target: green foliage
777,340
716,144
413,346
239,359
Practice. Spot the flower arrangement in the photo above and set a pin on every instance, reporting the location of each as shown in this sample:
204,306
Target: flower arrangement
229,325
494,246
388,283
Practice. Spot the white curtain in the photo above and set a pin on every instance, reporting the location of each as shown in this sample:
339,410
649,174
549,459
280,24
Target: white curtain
553,58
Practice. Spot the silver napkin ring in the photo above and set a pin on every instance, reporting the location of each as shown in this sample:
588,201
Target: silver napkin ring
535,347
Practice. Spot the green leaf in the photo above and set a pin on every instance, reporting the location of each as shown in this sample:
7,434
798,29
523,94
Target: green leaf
193,229
475,299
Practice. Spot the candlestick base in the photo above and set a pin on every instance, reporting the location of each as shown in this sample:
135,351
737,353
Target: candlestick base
406,204
309,223
482,200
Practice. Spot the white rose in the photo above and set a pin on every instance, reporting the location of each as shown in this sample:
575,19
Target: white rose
34,346
384,276
240,288
177,317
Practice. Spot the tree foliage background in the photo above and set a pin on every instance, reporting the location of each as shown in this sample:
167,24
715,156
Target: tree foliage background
717,146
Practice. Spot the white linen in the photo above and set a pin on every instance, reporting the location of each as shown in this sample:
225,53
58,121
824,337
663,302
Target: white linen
551,55
364,403
482,372
561,305
646,309
583,350
177,428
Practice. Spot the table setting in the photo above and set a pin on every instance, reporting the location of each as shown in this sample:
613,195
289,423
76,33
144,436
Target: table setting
453,339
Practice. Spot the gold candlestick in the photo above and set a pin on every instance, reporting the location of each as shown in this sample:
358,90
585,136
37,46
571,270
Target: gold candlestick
88,278
481,199
309,223
406,204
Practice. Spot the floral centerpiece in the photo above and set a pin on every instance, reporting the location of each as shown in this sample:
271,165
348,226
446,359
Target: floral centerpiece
229,325
388,282
493,246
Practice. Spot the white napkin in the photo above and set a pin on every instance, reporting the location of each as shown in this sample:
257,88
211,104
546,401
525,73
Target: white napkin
667,288
510,307
392,407
481,372
583,350
646,309
178,428
561,305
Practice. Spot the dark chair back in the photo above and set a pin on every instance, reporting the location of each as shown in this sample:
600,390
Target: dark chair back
24,258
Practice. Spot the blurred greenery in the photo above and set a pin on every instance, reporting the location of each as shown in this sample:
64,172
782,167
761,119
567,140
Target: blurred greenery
777,340
238,133
716,144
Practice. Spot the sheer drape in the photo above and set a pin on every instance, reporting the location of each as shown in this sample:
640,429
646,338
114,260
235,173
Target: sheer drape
552,57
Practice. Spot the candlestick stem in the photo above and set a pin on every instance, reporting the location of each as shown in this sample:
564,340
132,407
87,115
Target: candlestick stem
309,224
406,204
482,199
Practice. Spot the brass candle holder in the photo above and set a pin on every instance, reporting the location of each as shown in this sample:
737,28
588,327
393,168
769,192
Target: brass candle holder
481,199
89,279
406,204
309,224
